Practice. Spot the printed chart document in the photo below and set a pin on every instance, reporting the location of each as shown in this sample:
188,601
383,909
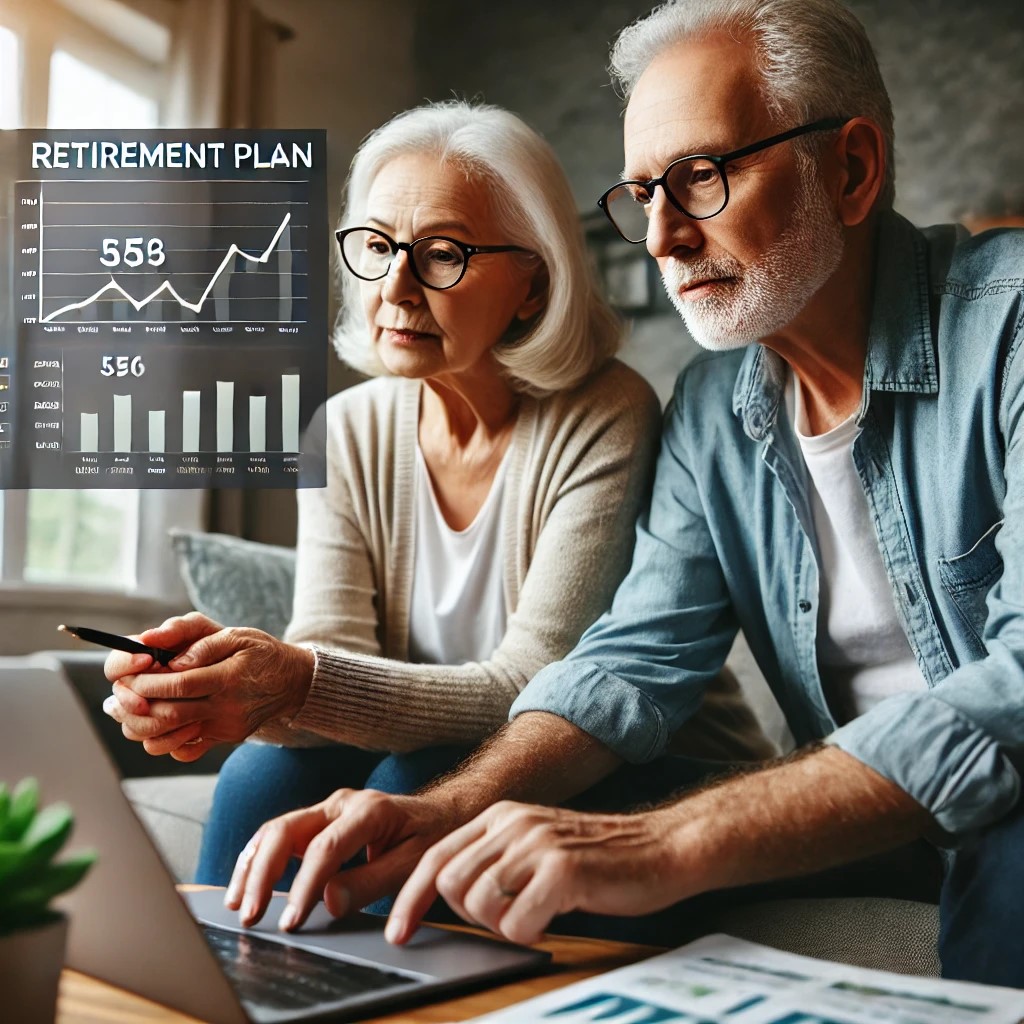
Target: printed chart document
727,980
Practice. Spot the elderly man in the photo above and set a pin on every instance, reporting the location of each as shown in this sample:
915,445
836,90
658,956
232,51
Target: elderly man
841,477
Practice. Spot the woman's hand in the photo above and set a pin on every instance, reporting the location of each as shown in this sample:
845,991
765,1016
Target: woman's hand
221,687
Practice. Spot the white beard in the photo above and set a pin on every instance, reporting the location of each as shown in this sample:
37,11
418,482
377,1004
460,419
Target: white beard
771,291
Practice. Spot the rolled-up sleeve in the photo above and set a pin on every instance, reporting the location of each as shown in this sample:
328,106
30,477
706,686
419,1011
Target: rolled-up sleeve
938,756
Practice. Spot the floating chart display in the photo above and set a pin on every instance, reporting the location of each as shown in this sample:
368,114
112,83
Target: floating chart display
167,316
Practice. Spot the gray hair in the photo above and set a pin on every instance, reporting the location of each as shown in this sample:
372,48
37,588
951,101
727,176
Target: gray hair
576,331
813,56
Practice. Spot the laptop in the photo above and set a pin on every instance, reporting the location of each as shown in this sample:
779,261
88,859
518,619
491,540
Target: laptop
129,925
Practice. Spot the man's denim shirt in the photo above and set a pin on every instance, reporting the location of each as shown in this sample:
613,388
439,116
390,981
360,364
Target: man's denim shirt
728,541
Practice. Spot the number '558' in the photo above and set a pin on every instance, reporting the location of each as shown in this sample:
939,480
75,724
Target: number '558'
134,253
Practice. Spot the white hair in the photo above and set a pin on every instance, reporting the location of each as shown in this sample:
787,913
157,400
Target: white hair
813,56
576,331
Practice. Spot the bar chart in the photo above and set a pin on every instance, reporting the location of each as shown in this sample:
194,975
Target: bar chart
192,422
233,416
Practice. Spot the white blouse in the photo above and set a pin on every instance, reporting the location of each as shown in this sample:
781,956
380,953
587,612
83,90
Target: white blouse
458,596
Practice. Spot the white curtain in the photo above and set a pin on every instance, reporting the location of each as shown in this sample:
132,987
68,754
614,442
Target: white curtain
222,65
221,75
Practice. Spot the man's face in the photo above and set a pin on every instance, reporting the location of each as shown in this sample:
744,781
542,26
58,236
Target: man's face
749,271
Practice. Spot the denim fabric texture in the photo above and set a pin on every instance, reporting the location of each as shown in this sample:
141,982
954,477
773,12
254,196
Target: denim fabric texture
727,541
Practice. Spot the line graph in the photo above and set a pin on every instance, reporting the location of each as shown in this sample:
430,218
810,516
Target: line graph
188,251
166,285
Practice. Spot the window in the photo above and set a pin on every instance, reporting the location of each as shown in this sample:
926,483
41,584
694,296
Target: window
60,69
10,79
83,96
84,537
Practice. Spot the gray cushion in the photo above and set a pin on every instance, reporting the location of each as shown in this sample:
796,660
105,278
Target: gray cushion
174,811
237,582
887,934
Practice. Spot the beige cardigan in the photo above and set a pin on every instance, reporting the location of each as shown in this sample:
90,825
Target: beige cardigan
580,467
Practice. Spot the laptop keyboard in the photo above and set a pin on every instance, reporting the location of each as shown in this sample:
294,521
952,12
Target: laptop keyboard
270,976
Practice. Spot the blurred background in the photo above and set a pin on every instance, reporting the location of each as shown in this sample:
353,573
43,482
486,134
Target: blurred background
955,73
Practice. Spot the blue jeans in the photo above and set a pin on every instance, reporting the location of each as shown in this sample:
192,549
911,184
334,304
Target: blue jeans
259,782
982,907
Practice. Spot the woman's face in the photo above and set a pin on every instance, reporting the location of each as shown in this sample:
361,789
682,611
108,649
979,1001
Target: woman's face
422,332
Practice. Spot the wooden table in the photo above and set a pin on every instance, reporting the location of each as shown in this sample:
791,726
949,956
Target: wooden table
84,1000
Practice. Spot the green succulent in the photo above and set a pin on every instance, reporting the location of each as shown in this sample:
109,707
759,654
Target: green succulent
30,838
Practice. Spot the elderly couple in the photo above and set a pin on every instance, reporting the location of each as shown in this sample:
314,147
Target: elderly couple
841,477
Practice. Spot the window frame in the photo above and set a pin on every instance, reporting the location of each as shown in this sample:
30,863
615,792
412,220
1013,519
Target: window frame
41,30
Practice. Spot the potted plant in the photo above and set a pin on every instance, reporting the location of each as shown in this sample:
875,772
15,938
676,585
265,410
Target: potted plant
32,934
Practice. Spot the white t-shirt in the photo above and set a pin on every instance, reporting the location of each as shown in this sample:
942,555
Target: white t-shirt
457,613
863,653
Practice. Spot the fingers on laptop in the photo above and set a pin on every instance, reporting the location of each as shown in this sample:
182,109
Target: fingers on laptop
420,890
357,887
327,836
265,857
355,819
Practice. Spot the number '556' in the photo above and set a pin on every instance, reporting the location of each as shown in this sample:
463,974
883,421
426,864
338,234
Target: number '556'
121,366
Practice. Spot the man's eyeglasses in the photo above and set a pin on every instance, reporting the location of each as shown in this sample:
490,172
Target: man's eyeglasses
696,185
436,261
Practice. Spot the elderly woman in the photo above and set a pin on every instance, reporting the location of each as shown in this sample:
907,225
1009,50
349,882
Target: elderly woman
480,498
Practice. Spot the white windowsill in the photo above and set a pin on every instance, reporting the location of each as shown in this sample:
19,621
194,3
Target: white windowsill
31,612
45,595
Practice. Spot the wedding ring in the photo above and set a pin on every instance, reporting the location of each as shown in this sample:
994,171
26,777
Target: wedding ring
506,893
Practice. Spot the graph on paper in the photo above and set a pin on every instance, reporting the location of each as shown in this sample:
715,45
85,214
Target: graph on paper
169,309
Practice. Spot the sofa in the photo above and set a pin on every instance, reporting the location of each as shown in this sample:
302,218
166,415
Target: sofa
239,582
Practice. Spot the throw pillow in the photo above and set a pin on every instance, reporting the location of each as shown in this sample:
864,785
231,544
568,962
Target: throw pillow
237,582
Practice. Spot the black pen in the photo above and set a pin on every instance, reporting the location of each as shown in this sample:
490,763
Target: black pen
118,643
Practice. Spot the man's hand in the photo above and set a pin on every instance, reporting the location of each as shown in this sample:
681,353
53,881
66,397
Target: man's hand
394,830
516,866
221,687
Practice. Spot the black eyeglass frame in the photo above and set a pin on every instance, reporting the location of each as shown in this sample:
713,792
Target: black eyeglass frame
468,252
824,124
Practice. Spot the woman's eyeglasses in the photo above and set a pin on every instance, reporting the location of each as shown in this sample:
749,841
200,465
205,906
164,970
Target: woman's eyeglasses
436,261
